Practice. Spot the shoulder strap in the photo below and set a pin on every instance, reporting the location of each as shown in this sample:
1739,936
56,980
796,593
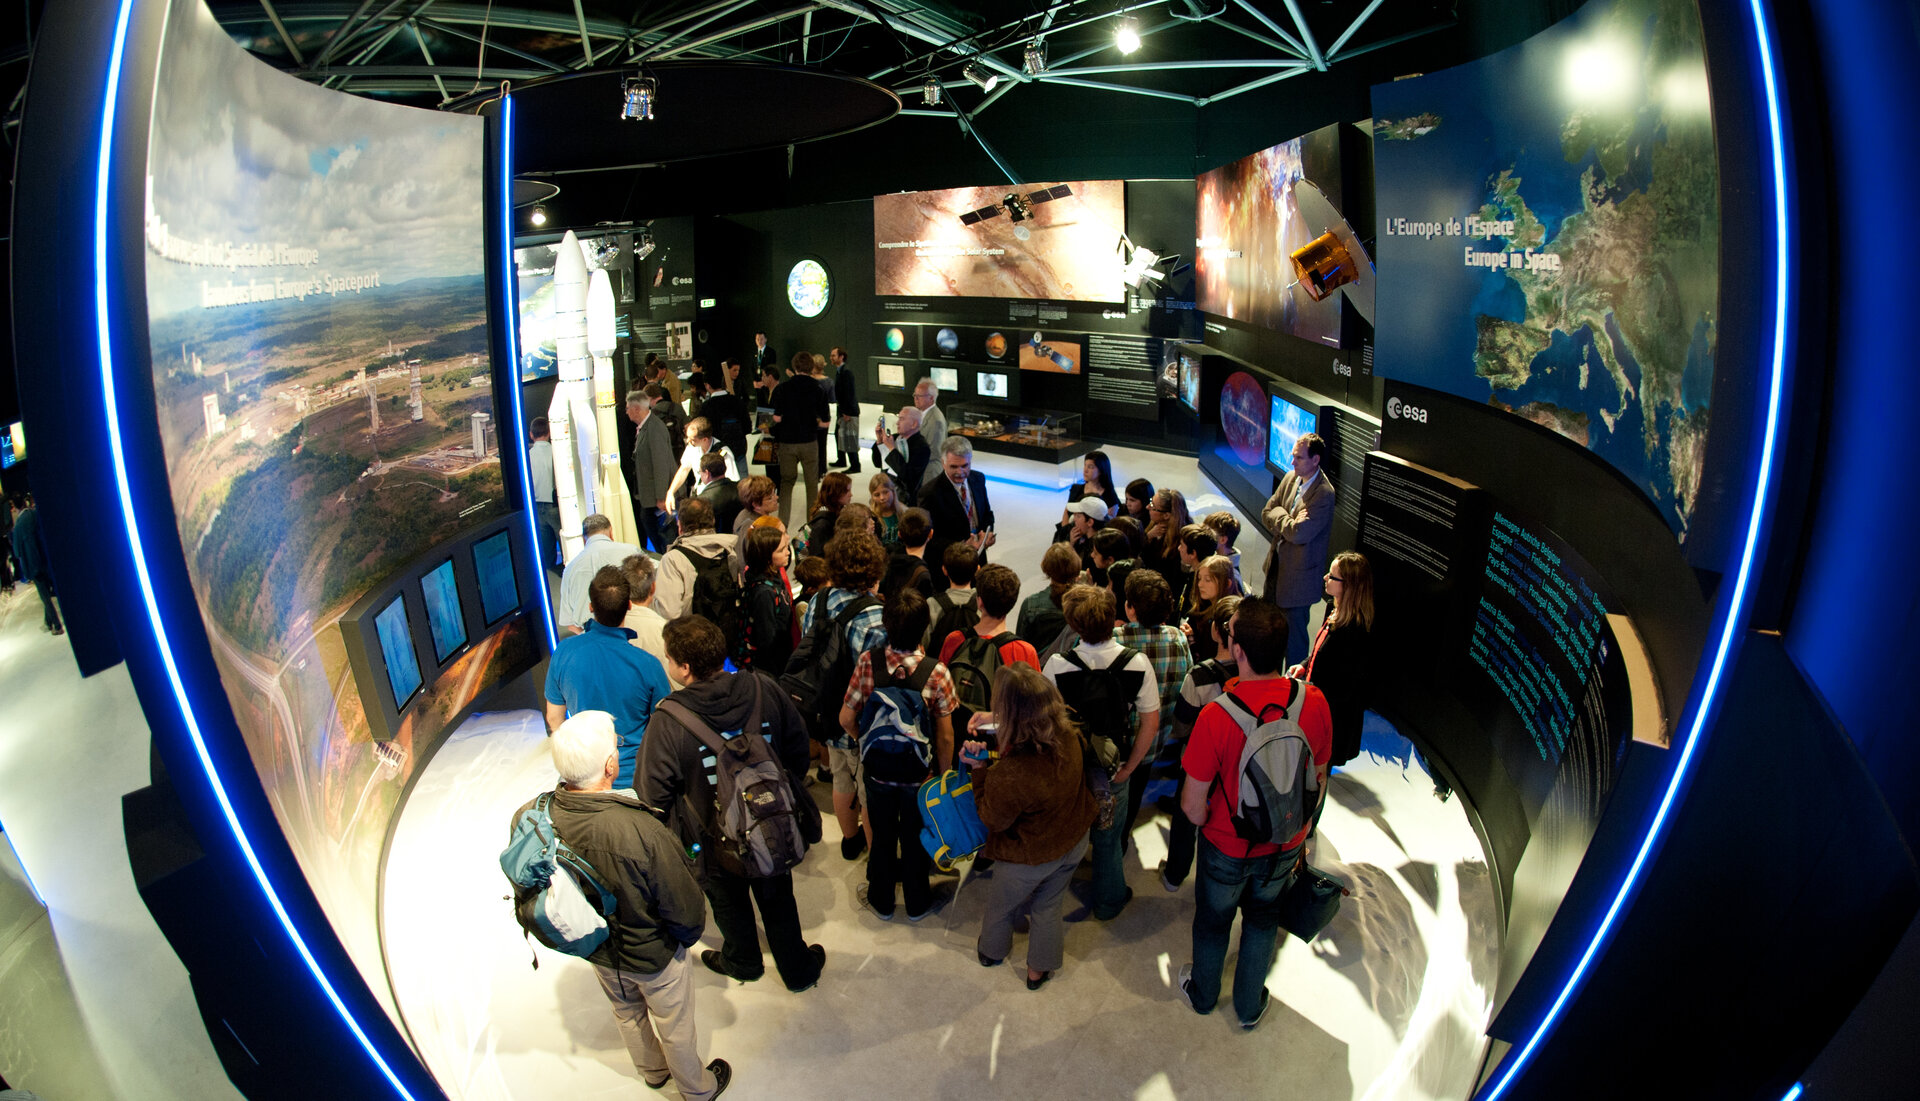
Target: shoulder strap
1072,655
695,725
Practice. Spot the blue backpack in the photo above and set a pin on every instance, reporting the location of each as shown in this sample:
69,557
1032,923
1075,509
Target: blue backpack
953,830
894,747
554,888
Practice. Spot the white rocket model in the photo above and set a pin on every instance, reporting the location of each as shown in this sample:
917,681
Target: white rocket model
570,416
602,339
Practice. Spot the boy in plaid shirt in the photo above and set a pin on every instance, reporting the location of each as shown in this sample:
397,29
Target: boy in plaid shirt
1149,606
893,808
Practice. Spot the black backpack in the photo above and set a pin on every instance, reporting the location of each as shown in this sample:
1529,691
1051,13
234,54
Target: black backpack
972,669
717,596
949,617
821,667
1103,700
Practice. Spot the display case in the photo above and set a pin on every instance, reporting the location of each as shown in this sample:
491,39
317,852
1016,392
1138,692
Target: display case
1044,435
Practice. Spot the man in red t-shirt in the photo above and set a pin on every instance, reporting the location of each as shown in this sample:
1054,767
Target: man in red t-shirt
1235,873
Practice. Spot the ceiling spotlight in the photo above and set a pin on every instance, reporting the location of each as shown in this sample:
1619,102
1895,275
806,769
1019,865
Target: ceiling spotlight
1034,60
978,74
642,243
539,216
636,99
1127,36
930,91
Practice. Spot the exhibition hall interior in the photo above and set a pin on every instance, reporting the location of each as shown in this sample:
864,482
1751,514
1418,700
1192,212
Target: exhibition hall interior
1537,361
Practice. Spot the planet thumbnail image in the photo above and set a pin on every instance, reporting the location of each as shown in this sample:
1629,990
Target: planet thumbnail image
1243,416
997,346
948,340
896,340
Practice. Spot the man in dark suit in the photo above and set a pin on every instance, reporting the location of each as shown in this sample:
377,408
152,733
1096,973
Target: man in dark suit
766,363
1299,516
905,454
720,494
956,498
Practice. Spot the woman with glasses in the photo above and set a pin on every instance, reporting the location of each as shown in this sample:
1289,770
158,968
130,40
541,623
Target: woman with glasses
1166,516
1341,662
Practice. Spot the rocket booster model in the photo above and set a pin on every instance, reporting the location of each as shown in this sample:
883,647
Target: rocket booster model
570,416
611,485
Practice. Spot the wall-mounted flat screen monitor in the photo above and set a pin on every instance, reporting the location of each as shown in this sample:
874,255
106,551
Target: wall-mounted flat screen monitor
893,376
1189,375
396,651
1286,423
445,621
947,379
990,384
1041,240
1040,352
13,445
493,566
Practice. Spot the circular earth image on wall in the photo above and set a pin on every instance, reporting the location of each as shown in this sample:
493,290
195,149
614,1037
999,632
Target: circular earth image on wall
896,340
948,340
809,288
1243,416
997,346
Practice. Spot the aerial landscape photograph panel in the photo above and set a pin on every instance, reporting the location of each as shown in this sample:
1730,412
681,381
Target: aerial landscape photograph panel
316,298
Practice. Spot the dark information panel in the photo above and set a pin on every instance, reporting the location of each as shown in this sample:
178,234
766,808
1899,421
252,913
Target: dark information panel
1123,376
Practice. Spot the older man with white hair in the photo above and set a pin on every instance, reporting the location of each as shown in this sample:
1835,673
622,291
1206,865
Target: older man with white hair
933,423
905,453
658,913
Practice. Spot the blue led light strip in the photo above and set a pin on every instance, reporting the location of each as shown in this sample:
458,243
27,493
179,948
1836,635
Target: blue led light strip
1794,1093
104,327
1737,604
510,309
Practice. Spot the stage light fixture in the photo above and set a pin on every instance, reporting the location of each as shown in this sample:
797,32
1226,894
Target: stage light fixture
637,95
1034,60
642,244
930,91
1127,36
978,74
539,216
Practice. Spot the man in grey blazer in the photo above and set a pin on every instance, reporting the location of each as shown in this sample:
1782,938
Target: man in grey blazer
1299,516
653,468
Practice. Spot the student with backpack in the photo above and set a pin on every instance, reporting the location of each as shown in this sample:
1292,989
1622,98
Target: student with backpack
974,654
1112,688
1256,771
656,913
907,562
953,608
700,572
726,757
1204,683
772,629
1149,604
899,706
836,627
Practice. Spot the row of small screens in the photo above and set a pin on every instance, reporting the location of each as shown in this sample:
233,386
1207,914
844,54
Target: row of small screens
986,384
446,616
1286,421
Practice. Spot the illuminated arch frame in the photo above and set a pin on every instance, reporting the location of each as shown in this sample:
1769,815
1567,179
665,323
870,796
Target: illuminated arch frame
1735,611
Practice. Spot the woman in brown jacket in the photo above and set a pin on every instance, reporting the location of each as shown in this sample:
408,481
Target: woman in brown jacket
1035,804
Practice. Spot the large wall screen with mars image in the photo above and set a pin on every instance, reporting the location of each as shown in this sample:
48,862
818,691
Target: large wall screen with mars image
1044,240
316,298
1252,215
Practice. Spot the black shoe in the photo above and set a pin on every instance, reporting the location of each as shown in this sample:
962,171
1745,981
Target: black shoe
722,1075
1116,913
986,960
1035,984
718,965
836,464
1184,981
852,847
820,958
661,1084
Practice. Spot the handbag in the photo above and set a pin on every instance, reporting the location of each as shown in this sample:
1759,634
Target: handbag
763,451
1310,901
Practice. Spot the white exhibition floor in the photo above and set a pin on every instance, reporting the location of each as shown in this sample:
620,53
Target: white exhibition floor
1389,1003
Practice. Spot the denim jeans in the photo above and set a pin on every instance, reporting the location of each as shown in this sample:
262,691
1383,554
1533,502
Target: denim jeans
1109,852
1253,886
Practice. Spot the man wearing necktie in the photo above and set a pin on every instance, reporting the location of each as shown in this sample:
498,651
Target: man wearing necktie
1299,516
957,501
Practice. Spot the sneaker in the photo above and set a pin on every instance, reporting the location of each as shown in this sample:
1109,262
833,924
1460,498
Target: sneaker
865,899
718,965
820,959
1170,886
722,1075
1185,984
1266,998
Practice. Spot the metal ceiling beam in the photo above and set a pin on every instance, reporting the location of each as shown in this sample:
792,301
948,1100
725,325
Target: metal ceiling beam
280,29
1100,86
462,72
1145,33
1395,40
1158,66
1270,43
436,24
915,30
1252,84
1276,28
733,32
337,39
708,14
420,38
1306,35
586,38
1333,51
516,18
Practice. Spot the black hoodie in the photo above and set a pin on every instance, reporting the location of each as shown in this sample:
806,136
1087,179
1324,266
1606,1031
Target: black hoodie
673,773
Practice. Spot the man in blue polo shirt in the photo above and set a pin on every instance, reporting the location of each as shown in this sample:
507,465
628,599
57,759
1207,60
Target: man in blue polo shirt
600,670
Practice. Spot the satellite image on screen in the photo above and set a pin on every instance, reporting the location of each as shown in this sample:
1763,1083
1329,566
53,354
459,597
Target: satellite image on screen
1042,240
1581,292
444,620
493,565
396,650
1250,223
1286,423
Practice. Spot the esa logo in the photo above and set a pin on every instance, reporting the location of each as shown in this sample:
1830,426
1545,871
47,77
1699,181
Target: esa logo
1342,369
1398,411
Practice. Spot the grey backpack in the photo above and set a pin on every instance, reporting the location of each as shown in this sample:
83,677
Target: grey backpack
1277,783
757,811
